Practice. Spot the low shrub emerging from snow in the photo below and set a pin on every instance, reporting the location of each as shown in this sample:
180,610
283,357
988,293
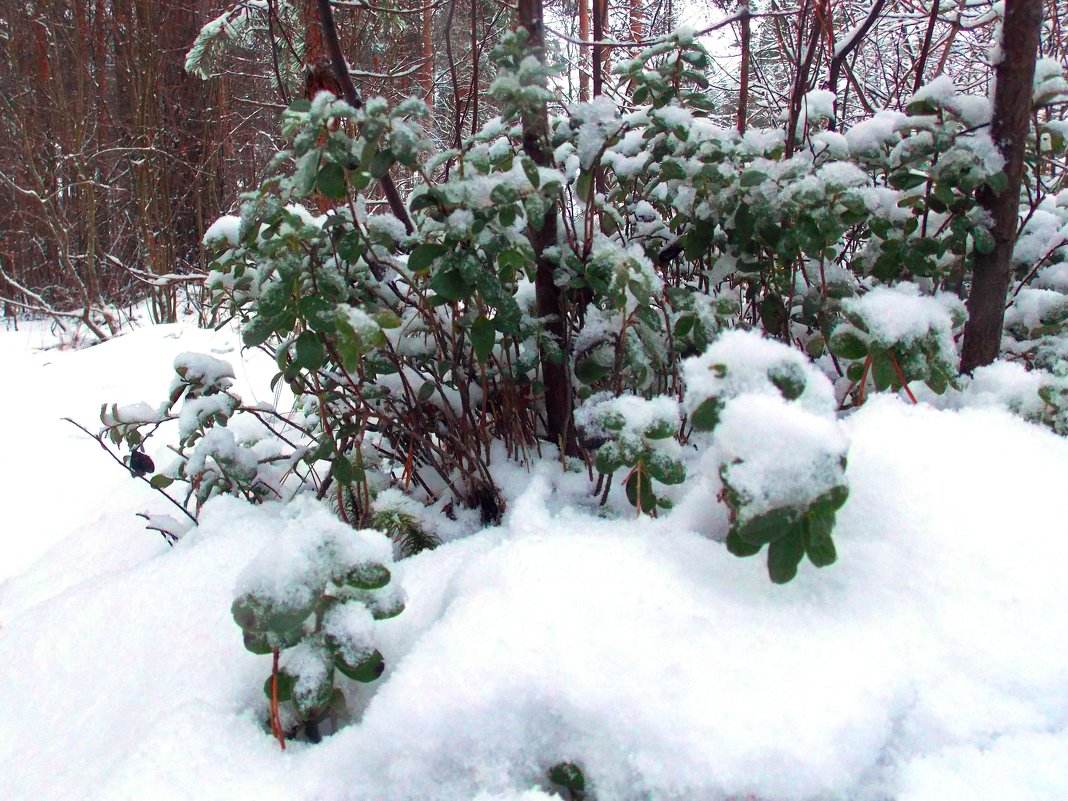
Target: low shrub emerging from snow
780,451
720,303
310,600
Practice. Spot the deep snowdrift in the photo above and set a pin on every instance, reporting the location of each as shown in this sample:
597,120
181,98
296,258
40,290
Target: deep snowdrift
929,664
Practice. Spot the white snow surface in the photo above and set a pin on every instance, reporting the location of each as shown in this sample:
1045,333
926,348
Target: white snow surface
929,664
902,313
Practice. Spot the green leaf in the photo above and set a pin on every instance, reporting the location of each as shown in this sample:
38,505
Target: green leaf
789,380
983,239
387,607
938,383
344,470
608,460
640,490
744,223
349,346
310,351
568,775
584,185
784,555
536,208
773,313
256,643
502,194
739,547
423,201
381,163
753,178
424,256
266,617
684,325
906,179
818,543
672,170
589,371
483,337
449,284
661,429
311,703
331,181
531,171
831,501
285,686
665,469
368,576
706,415
160,481
366,671
770,526
848,345
883,374
319,314
425,391
256,332
998,182
387,319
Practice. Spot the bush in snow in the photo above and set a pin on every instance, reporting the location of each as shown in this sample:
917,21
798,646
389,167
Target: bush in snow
224,446
896,335
638,434
781,454
311,600
422,352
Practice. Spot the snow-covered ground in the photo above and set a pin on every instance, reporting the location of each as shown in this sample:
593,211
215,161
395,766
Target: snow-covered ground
929,664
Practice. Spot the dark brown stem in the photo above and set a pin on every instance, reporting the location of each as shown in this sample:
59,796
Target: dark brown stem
352,97
743,91
555,375
1008,128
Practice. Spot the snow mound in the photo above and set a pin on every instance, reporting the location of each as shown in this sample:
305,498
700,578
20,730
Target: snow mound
930,663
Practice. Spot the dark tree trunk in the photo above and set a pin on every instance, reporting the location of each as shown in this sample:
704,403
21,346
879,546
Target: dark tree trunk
1012,108
598,50
558,404
352,97
743,89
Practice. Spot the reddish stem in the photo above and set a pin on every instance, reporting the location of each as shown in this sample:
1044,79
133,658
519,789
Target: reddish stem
901,377
276,720
863,381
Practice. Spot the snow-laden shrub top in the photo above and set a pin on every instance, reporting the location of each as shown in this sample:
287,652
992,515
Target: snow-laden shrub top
627,290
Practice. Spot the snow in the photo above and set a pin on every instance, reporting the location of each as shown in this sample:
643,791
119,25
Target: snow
135,413
227,228
743,362
929,663
1049,82
939,92
902,313
819,104
1036,307
777,453
635,415
842,174
195,411
871,135
204,370
351,626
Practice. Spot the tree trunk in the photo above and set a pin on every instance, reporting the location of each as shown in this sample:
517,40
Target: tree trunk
556,375
584,35
1008,128
743,90
426,72
598,50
